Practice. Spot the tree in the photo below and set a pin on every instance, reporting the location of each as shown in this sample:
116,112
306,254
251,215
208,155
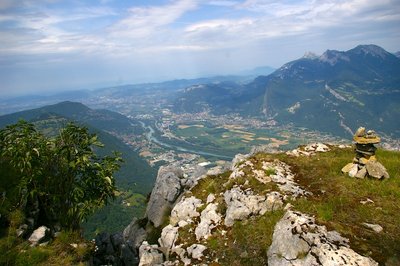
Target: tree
62,176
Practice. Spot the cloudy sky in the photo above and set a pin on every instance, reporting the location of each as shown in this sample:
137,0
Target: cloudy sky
51,45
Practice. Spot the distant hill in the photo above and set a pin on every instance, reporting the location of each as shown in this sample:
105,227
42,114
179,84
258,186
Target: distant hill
335,93
101,119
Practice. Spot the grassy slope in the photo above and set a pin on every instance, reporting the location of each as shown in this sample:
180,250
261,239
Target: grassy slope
335,203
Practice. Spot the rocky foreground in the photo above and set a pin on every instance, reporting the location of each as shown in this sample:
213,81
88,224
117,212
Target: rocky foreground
186,215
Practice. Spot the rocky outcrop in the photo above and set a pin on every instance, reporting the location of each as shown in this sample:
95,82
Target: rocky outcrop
195,222
196,251
168,237
134,233
114,250
165,192
185,210
309,150
298,240
275,171
241,204
150,255
209,219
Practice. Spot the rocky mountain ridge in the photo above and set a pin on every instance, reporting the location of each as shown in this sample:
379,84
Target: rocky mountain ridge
328,93
203,220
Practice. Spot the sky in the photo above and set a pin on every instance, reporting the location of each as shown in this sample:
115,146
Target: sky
53,45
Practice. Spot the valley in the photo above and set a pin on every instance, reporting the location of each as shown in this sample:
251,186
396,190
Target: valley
200,125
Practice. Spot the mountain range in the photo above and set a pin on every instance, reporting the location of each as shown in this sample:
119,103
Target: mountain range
334,93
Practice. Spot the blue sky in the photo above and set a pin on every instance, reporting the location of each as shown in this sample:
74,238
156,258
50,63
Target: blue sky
51,45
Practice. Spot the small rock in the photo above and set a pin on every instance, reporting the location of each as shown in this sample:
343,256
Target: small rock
362,173
347,168
366,201
375,227
22,229
376,170
40,235
353,171
196,251
210,198
209,219
185,210
168,237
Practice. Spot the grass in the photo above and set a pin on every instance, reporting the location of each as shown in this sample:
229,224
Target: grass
336,200
335,203
16,251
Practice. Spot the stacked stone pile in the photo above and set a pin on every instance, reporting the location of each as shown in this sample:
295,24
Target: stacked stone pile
365,163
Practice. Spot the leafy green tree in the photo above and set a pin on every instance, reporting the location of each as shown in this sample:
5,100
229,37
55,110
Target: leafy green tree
62,176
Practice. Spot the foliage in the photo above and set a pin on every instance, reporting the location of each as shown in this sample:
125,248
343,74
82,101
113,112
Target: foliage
68,248
62,175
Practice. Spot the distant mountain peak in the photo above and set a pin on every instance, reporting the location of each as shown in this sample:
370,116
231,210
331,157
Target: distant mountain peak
332,57
310,55
370,49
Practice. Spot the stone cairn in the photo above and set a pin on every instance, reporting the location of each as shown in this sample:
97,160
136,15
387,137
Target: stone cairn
365,163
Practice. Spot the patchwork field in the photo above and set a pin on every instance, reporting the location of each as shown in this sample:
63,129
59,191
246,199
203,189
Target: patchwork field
232,137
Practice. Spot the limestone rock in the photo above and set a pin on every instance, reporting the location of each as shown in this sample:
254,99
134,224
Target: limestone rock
40,235
134,233
241,204
298,240
353,171
375,227
347,168
261,176
308,150
209,219
149,255
285,178
376,170
316,147
185,210
196,251
362,173
210,198
166,190
168,237
238,158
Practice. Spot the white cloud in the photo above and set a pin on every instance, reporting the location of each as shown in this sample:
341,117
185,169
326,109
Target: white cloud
143,22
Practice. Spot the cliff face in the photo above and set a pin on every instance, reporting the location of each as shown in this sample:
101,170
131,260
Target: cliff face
277,209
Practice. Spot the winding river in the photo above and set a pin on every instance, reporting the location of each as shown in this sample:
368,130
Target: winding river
150,137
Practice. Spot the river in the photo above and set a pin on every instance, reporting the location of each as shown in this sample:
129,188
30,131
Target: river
150,137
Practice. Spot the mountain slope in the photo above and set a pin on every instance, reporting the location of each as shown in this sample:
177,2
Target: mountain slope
101,119
334,93
135,177
280,209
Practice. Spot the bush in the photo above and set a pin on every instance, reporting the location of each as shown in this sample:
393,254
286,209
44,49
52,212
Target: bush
61,176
